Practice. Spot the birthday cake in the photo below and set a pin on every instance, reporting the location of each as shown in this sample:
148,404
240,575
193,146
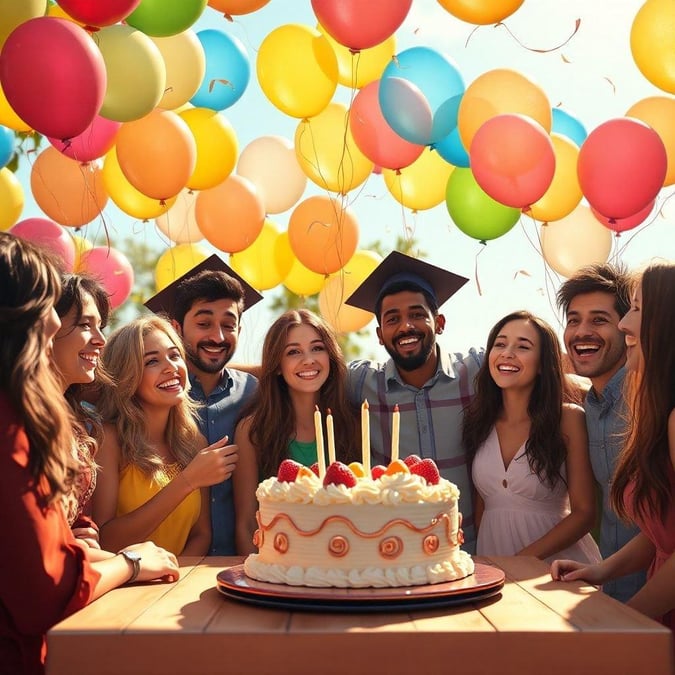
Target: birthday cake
392,526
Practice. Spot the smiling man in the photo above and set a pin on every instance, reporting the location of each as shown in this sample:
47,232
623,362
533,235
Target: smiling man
430,386
594,300
205,306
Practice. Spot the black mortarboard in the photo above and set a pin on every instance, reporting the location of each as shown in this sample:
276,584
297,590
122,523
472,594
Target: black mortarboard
163,302
398,267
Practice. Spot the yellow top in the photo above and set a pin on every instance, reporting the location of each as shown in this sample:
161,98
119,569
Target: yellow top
136,488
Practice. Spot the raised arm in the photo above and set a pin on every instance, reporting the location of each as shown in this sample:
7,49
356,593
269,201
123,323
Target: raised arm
244,484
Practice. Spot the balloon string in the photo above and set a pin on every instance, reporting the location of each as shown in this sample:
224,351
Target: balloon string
501,24
475,269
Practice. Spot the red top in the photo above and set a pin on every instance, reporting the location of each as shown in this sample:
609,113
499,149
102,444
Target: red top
44,573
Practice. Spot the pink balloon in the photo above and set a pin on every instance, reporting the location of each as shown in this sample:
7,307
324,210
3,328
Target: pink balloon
359,24
92,143
99,13
53,76
373,135
512,159
112,269
623,224
621,167
53,237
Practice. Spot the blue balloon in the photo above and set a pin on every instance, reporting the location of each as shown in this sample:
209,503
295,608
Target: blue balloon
452,150
7,145
566,125
227,74
426,110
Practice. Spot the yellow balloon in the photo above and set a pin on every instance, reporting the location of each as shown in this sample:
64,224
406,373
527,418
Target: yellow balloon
496,92
15,12
357,69
297,279
127,198
136,74
652,43
81,245
297,70
422,184
185,63
176,261
178,223
564,193
327,153
256,264
11,199
8,117
574,241
339,286
217,147
481,12
659,113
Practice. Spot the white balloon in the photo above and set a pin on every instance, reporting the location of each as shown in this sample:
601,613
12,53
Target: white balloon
179,223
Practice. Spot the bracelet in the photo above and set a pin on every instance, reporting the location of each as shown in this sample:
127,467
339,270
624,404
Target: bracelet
135,559
187,482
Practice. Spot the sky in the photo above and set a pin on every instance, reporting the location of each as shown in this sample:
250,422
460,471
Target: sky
593,77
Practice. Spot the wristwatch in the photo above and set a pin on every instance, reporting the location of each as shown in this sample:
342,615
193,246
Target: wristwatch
135,559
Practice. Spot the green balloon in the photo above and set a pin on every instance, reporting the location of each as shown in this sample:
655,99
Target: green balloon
162,18
473,211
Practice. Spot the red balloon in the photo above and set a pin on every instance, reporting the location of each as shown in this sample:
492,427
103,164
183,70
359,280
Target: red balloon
623,224
99,13
53,237
622,165
112,269
92,143
373,135
512,159
53,76
359,24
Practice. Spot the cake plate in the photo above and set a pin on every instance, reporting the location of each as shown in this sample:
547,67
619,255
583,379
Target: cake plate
485,582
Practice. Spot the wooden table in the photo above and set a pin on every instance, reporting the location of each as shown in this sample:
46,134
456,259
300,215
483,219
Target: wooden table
189,628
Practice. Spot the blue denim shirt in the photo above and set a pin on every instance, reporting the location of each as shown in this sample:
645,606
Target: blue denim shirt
218,418
605,419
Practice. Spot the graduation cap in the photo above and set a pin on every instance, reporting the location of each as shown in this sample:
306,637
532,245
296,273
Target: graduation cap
397,268
164,301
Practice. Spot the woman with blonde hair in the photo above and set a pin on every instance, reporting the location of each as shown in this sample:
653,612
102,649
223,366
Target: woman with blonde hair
153,477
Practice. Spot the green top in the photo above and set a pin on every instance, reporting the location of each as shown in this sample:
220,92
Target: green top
305,453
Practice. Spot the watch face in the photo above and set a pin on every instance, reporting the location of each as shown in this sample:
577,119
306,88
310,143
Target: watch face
132,555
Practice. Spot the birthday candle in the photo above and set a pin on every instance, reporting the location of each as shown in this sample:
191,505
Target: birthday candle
365,437
331,437
318,432
395,428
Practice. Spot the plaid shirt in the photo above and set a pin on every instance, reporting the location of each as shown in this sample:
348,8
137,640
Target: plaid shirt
431,417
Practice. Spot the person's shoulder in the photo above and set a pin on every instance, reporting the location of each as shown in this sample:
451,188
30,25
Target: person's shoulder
361,365
573,414
242,378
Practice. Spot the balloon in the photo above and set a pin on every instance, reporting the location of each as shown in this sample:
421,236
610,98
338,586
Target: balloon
651,43
256,263
512,159
11,198
126,196
136,73
500,91
161,18
659,113
112,269
8,117
56,11
14,13
69,192
51,236
157,153
327,152
357,69
7,145
421,185
178,223
297,70
339,286
373,135
567,125
185,64
622,166
176,261
439,83
227,71
269,162
92,143
100,13
59,60
231,214
575,241
323,234
296,277
623,224
452,150
481,12
229,7
216,145
359,24
474,212
564,193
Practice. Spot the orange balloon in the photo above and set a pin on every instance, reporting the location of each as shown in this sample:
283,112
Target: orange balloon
297,278
229,7
230,215
481,12
323,234
69,192
157,153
